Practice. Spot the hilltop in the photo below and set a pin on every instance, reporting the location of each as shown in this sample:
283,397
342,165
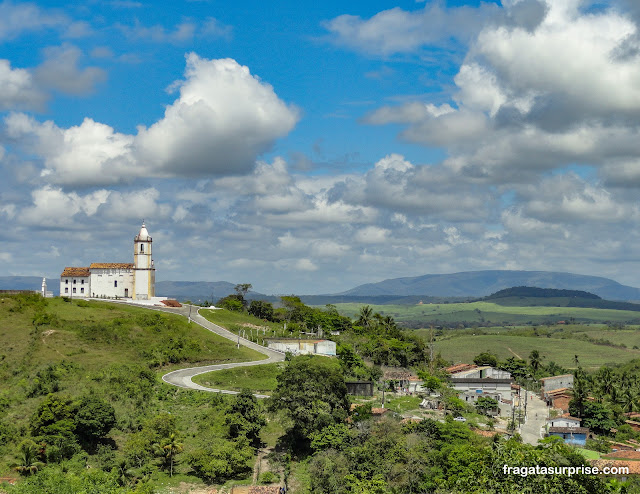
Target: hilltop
484,283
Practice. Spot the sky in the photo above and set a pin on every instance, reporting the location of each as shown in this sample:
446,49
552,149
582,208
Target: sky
309,147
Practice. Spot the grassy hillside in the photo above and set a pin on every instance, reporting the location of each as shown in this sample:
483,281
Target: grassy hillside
561,351
490,313
52,349
258,378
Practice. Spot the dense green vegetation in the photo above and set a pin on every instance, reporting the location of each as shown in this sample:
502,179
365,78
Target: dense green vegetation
82,408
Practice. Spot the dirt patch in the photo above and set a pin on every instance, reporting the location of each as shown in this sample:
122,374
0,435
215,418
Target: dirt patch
253,326
185,488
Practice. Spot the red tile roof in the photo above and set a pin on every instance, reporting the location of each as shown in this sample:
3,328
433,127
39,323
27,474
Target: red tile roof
634,466
627,455
70,271
111,265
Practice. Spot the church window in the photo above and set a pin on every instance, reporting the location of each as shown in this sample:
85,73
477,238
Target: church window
115,284
82,282
74,281
66,290
82,290
141,247
66,282
74,289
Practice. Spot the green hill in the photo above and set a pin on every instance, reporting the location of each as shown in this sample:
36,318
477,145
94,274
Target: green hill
57,355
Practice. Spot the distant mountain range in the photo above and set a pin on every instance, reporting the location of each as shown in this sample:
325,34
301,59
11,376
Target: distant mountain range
483,283
467,284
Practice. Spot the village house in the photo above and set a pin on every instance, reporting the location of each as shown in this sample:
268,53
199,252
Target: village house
473,382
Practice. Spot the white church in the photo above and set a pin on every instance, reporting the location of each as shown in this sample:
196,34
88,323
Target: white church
135,280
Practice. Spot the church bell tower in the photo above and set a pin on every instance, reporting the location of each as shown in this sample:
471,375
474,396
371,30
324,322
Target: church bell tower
144,272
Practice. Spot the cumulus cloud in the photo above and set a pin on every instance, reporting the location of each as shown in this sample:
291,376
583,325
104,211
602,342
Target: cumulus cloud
17,18
222,120
18,89
60,71
400,31
397,185
536,97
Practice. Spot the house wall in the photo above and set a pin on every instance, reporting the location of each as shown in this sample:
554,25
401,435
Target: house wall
563,422
103,282
80,283
360,388
325,347
557,382
304,347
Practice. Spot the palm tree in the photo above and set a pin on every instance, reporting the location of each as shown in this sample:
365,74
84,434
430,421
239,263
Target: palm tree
168,449
536,360
28,463
366,317
628,400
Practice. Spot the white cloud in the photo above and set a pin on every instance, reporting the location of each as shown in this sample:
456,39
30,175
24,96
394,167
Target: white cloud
305,265
224,118
400,31
18,90
371,235
16,18
53,208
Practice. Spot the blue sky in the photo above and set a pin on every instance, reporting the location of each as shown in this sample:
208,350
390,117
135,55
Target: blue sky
309,147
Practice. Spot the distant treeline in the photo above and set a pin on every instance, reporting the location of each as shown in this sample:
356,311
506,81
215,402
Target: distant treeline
558,298
530,291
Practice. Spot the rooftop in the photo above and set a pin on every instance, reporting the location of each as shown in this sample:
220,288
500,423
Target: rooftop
555,377
111,265
71,271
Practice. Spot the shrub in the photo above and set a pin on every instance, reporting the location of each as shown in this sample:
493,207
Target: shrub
269,478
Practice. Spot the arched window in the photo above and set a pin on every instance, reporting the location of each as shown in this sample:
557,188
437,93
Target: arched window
141,248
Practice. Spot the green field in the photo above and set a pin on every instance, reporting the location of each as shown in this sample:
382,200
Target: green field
561,351
488,312
257,378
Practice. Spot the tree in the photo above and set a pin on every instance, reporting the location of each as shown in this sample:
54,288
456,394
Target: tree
94,418
167,450
244,418
241,292
485,404
231,302
312,393
261,309
535,360
27,462
486,358
365,318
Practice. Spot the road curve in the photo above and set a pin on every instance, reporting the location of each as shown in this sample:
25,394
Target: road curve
182,378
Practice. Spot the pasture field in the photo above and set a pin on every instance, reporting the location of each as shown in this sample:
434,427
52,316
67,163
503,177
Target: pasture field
489,312
561,351
258,378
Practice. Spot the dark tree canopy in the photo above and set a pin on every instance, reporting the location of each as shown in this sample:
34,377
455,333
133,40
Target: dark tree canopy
312,392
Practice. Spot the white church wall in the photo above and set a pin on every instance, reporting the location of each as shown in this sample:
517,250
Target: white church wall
112,283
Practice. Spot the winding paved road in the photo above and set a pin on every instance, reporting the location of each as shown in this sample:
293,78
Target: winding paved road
182,378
